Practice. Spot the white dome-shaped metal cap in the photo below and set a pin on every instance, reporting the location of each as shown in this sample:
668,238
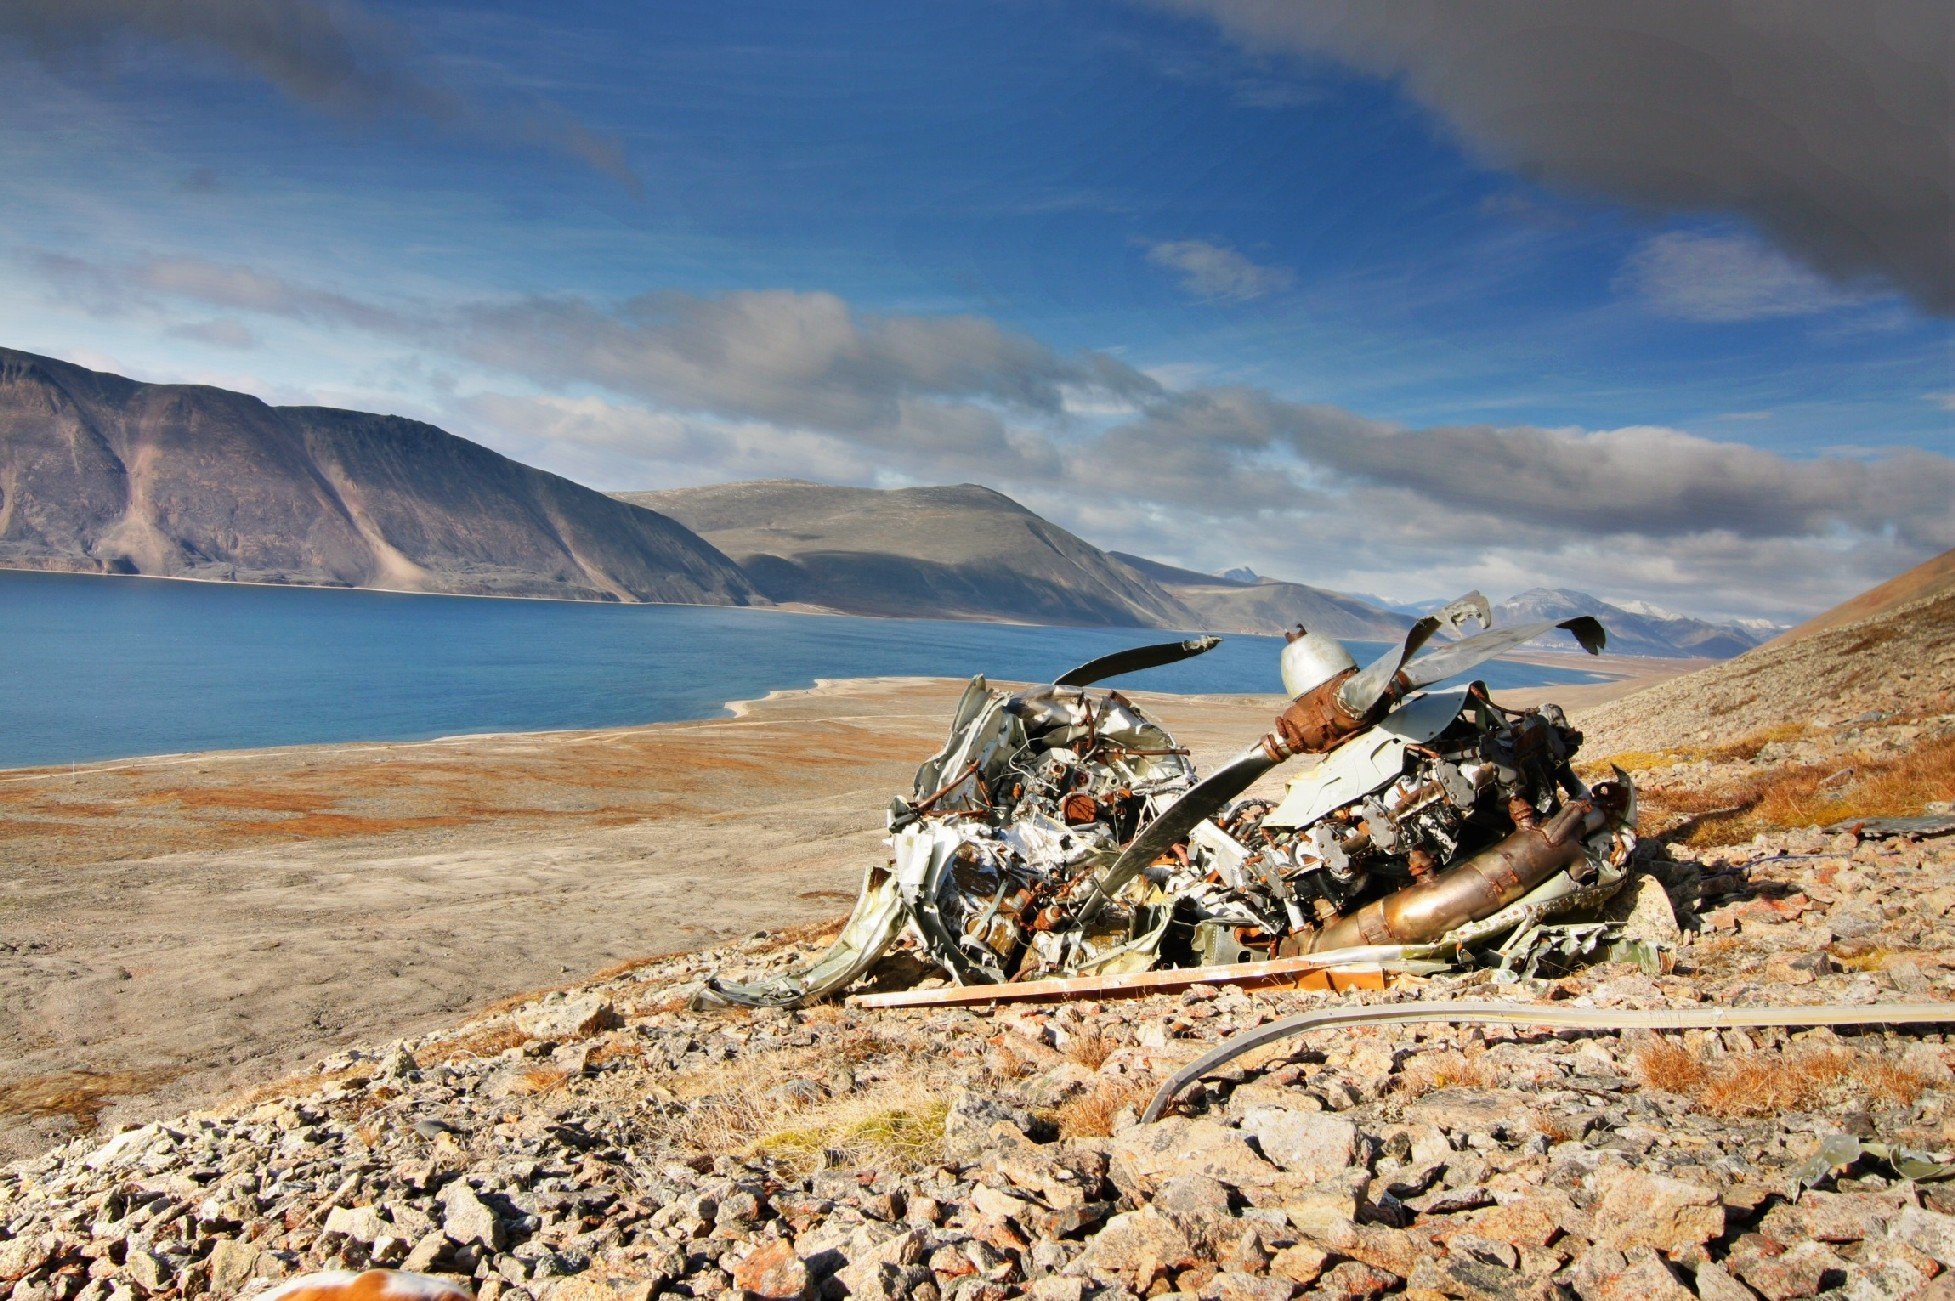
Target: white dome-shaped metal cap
1311,659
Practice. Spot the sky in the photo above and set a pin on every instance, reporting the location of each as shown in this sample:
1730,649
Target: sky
1650,299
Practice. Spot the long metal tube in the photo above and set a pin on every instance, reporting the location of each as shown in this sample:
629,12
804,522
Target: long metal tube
1479,887
1584,1018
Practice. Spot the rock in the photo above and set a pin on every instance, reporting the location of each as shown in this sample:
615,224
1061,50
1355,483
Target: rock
594,1286
1529,1222
1137,1247
1716,1283
1145,1155
1232,1285
1325,1211
1309,1144
560,1017
1354,1281
1928,1232
772,1272
1883,1272
1643,909
1802,1271
426,1251
1301,1264
870,1273
1636,1209
232,1264
1196,1202
147,1270
467,1218
362,1223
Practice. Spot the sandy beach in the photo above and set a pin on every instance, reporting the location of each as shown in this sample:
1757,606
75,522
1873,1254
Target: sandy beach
183,926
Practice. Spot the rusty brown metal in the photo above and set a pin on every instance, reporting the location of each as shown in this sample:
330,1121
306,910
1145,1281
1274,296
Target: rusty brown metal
1316,722
1479,887
1311,973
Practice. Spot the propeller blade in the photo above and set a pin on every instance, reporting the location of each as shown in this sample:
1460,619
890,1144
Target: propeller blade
1204,799
1360,693
1471,608
1453,660
1135,659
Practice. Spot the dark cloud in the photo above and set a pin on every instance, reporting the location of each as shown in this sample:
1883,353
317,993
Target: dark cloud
330,55
1828,124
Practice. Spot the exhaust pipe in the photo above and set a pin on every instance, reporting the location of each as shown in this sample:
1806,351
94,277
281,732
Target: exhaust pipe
1479,887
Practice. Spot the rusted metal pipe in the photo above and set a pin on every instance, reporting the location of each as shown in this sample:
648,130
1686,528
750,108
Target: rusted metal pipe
1479,887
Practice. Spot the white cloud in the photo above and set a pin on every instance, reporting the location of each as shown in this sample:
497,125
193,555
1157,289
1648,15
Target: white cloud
1700,277
669,389
1218,272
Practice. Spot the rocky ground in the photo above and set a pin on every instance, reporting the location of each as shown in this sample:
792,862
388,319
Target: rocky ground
606,1142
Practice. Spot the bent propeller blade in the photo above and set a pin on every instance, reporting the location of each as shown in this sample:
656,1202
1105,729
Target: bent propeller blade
1202,800
1456,659
1134,659
1360,693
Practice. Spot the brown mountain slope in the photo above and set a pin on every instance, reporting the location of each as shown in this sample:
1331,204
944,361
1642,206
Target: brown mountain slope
1930,578
1900,662
1269,605
101,474
955,552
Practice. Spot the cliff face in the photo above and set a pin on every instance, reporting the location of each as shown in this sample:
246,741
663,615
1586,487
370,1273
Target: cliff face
106,475
953,552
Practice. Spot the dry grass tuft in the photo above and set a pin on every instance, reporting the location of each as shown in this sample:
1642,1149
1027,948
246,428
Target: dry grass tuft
1093,1114
485,1041
1005,1062
1771,1082
905,1130
542,1079
1092,1050
1446,1069
1814,795
82,1096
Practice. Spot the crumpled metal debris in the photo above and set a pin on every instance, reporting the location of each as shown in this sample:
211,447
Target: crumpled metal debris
1060,832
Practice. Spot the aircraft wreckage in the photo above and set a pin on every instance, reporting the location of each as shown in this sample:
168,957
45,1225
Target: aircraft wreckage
1060,832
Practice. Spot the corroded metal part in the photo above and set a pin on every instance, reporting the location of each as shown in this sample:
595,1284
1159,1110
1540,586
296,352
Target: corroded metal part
1483,884
1062,836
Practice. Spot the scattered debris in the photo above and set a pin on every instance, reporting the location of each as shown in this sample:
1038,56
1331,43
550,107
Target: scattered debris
1061,834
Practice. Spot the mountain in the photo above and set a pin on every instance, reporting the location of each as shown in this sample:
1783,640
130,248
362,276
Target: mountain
1240,574
1930,578
955,552
1637,629
101,474
1269,605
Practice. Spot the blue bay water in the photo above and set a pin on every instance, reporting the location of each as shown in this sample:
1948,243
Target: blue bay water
100,668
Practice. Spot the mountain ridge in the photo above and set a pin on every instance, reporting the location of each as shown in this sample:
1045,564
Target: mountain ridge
104,474
958,551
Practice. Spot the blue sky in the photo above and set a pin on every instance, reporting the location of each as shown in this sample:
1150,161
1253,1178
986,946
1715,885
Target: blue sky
1333,295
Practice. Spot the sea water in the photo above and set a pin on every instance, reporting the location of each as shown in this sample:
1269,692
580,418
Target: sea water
101,668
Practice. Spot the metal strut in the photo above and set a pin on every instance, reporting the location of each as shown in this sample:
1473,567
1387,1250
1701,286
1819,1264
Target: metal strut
1584,1018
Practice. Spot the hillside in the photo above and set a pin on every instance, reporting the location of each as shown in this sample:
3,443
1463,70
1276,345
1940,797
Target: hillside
102,474
1934,577
1642,630
1240,600
953,552
1899,663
